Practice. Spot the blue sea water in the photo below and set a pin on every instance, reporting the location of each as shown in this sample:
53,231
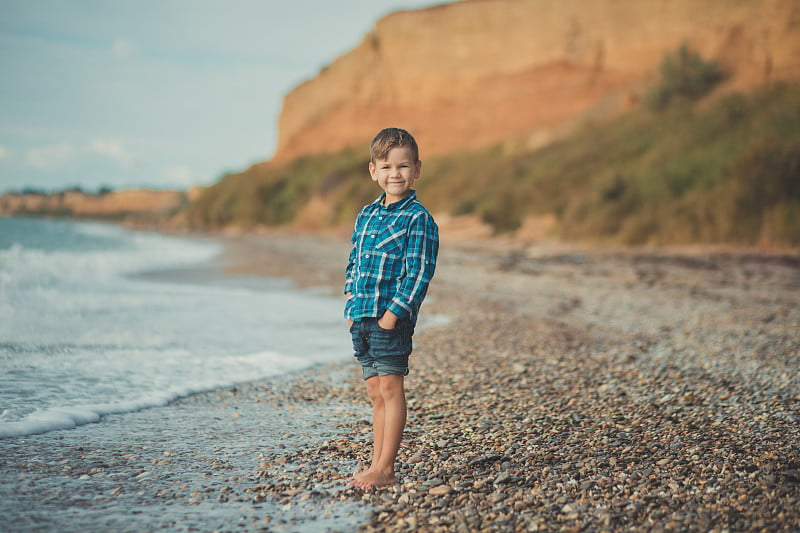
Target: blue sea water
87,329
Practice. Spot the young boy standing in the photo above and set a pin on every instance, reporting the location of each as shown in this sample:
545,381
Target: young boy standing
395,244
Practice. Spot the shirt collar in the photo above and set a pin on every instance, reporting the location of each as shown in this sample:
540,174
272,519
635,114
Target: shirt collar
410,197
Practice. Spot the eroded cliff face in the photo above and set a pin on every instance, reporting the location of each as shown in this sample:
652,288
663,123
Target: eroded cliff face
480,72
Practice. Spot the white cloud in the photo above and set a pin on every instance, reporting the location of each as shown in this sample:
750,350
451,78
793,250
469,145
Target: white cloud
123,48
50,156
113,149
110,147
178,175
58,155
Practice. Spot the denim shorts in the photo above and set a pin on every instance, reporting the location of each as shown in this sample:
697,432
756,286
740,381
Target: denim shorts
382,352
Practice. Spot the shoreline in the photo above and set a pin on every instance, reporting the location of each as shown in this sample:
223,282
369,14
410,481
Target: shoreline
190,465
572,389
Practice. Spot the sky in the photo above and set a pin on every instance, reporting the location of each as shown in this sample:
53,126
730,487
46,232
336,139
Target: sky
158,93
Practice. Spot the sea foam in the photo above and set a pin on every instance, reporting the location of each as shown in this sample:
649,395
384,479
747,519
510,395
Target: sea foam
81,338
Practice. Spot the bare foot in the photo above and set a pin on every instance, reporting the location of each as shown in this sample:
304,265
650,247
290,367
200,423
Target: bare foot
373,478
358,475
355,479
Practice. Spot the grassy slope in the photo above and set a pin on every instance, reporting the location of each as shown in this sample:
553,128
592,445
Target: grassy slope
726,172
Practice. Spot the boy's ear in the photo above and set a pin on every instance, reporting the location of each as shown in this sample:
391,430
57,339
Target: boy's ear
372,171
419,168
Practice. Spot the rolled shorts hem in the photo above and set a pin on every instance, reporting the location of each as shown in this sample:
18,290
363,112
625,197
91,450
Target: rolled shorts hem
375,369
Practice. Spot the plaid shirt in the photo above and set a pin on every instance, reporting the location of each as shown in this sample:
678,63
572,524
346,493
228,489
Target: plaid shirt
392,260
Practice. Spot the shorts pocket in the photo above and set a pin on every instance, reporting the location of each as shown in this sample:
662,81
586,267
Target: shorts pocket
391,342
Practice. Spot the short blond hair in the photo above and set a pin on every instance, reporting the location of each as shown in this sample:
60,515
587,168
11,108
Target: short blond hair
389,138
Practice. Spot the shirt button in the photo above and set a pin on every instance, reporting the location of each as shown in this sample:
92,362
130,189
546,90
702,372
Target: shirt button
367,256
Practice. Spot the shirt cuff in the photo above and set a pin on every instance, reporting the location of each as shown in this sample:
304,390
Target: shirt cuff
399,311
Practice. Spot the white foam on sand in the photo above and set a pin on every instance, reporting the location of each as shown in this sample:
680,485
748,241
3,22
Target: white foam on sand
236,370
192,465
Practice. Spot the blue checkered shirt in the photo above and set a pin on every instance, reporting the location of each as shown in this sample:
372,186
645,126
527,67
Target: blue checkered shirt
392,259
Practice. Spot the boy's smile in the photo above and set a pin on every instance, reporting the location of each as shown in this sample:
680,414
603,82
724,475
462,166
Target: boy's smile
396,174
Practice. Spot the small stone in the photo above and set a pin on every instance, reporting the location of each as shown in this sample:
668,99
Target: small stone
440,490
497,497
502,478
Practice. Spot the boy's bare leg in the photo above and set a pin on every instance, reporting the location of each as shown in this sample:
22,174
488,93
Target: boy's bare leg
378,417
393,402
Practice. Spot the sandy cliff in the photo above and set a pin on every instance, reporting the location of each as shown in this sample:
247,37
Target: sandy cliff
478,72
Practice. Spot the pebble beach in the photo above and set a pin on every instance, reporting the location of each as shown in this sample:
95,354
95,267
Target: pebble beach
569,390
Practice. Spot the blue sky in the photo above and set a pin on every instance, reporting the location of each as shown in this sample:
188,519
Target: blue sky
158,93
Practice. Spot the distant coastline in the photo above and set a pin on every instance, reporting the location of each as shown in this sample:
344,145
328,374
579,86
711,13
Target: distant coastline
126,205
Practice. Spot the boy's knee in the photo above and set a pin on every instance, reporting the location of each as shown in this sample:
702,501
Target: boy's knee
374,392
391,386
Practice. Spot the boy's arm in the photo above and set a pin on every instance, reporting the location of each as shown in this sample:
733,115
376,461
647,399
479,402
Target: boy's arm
348,271
421,253
351,261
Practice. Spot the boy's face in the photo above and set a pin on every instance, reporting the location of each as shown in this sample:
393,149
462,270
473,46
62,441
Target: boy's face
396,173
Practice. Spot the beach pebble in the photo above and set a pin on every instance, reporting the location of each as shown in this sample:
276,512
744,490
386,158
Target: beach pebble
416,458
440,490
502,478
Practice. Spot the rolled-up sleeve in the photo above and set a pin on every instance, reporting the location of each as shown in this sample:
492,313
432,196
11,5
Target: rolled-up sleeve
349,272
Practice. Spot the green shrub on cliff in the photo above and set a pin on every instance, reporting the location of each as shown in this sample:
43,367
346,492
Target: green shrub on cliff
763,197
727,174
272,195
684,75
723,173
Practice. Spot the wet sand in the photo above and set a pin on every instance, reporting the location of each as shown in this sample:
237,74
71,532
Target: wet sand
573,389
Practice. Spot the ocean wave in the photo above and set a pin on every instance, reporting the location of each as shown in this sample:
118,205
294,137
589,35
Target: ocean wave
241,369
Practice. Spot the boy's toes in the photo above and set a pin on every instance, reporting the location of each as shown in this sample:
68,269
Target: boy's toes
357,476
360,483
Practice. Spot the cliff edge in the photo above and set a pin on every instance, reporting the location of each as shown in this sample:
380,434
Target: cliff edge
479,72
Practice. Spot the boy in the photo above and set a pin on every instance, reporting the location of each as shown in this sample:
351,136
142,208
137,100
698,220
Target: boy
395,244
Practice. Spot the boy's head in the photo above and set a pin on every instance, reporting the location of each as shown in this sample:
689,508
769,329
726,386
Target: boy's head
394,163
389,138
